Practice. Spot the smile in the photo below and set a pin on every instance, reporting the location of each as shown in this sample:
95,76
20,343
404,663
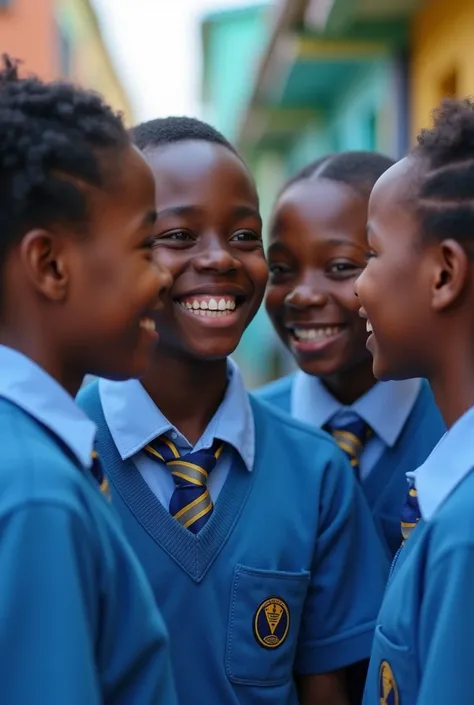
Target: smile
207,308
147,324
368,327
319,333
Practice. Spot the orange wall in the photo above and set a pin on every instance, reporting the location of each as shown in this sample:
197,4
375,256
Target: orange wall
28,32
442,48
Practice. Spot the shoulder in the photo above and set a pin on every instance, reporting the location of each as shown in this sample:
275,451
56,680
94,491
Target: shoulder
286,434
277,393
35,469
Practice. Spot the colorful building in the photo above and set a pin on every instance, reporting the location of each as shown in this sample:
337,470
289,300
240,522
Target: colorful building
323,76
62,39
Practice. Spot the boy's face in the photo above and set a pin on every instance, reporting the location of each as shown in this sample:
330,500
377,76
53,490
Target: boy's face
317,250
208,234
395,288
115,284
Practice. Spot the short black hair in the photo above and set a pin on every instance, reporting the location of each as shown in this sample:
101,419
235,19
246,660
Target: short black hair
445,190
163,131
359,170
52,136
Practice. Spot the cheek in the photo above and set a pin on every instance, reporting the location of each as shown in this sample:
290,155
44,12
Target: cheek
169,259
275,300
257,271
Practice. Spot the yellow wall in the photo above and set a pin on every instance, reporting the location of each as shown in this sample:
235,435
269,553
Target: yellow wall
442,56
92,66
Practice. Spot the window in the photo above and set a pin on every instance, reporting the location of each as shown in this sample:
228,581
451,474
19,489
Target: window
65,52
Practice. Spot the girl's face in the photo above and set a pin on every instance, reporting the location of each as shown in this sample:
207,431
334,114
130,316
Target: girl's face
395,289
317,250
208,235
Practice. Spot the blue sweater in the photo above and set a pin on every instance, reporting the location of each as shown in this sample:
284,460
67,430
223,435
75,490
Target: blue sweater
78,621
386,486
282,578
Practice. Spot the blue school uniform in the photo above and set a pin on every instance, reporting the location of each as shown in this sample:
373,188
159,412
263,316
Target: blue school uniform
405,423
422,652
78,620
281,577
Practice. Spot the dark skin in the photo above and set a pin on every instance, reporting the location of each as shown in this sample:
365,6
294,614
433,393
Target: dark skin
418,294
79,302
317,250
209,236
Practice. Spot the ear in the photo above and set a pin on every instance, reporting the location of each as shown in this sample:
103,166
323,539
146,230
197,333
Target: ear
43,256
451,275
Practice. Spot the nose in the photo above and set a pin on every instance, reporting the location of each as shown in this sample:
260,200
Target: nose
215,258
304,296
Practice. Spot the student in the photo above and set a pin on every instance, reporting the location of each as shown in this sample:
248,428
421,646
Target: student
418,294
78,623
265,571
317,249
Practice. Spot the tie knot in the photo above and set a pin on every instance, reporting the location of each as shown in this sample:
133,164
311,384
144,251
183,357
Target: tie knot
189,469
351,438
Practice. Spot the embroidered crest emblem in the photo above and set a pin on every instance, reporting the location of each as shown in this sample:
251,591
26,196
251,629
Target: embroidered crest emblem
388,689
271,622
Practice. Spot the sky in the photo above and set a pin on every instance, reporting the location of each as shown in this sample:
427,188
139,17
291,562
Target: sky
155,45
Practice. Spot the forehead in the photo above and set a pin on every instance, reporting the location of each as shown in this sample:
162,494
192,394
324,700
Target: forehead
199,172
320,203
392,190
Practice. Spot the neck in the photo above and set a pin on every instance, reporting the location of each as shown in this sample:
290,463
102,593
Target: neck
37,349
454,387
349,385
187,391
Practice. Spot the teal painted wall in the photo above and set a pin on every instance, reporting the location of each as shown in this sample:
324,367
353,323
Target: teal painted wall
235,41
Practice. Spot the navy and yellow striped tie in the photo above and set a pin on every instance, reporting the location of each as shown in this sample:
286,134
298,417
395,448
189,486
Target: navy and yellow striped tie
191,503
411,514
351,439
99,475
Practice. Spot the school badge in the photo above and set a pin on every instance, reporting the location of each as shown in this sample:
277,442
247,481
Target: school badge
388,689
271,623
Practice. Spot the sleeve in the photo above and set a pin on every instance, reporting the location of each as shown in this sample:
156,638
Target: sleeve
446,627
348,578
47,602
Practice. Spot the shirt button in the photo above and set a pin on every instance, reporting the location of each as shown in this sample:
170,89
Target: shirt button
174,435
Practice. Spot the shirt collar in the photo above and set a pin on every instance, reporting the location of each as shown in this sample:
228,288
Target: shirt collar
134,420
312,403
447,465
32,389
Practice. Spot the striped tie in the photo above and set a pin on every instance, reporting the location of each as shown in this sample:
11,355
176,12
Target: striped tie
351,439
411,514
99,475
191,503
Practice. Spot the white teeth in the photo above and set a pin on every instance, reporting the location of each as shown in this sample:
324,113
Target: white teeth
369,327
148,324
316,333
211,307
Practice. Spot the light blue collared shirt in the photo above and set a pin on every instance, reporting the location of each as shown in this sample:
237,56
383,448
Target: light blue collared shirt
134,420
447,465
28,386
385,408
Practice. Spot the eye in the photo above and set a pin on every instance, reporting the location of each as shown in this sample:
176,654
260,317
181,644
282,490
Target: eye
369,255
341,269
246,236
277,270
178,237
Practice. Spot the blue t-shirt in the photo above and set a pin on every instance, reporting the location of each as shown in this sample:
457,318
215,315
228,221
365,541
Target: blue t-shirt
281,579
422,652
78,620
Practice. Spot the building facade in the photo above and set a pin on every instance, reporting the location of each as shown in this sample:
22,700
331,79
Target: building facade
62,39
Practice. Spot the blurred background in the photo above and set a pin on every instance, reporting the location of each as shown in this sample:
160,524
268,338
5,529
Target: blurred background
286,80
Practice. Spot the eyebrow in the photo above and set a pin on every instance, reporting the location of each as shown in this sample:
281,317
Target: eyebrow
149,219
